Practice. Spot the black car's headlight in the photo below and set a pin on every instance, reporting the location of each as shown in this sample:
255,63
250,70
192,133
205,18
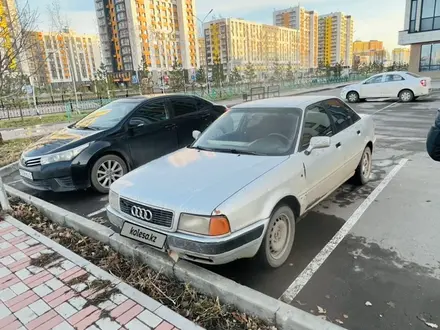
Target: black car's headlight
63,156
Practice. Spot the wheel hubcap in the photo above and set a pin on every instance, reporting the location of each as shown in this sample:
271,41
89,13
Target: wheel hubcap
279,235
406,96
352,97
366,165
108,172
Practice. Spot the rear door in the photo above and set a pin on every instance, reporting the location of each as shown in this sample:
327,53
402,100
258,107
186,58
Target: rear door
348,131
371,88
151,132
393,84
188,117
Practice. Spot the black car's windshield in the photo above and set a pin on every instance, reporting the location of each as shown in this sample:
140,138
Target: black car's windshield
259,131
108,116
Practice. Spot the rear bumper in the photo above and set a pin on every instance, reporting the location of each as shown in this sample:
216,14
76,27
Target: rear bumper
244,243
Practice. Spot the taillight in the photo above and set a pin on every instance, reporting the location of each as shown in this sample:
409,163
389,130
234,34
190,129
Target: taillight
423,82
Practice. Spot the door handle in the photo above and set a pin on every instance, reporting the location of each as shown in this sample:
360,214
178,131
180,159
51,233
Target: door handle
338,145
358,132
170,126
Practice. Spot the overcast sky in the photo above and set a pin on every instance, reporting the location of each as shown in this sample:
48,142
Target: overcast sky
374,19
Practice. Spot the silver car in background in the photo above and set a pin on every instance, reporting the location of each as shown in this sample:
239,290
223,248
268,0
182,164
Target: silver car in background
239,189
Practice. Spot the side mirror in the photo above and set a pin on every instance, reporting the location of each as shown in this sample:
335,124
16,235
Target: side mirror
318,142
196,134
136,123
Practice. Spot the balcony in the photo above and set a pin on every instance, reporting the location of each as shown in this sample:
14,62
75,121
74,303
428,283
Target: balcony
406,38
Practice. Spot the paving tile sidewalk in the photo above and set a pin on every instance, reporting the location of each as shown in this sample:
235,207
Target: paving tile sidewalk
58,296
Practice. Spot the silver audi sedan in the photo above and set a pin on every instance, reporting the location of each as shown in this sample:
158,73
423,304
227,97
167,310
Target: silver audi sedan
239,189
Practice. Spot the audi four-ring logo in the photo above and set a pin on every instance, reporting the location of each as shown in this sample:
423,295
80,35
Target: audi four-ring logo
141,213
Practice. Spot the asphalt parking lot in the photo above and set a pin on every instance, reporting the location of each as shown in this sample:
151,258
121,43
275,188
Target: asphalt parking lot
367,256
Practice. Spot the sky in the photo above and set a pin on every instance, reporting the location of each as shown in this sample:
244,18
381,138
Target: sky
374,19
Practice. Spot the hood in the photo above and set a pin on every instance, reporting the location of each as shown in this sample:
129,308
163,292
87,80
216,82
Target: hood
58,141
193,181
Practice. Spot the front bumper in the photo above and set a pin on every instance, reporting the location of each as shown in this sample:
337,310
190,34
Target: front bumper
214,251
58,177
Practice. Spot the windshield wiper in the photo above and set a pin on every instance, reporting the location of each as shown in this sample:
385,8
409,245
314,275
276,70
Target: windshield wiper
238,152
86,128
200,148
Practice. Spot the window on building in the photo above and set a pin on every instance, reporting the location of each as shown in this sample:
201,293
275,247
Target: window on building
430,18
430,57
413,15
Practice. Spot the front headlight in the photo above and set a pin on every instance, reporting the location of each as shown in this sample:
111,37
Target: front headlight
113,200
63,156
210,225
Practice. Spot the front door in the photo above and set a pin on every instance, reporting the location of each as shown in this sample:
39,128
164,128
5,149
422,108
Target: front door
152,133
321,165
372,88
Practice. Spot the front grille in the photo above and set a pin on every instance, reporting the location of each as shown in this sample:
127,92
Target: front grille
160,217
32,162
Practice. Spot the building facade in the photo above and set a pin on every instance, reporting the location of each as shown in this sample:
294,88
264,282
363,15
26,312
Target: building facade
202,51
368,52
401,55
59,58
422,32
155,33
335,39
236,42
307,23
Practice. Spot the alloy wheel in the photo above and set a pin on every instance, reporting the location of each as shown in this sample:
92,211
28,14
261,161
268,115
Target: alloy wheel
108,172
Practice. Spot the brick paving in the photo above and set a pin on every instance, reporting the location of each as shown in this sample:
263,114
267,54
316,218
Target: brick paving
59,295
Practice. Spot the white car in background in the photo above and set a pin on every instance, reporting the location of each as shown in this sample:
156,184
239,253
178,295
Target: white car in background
404,85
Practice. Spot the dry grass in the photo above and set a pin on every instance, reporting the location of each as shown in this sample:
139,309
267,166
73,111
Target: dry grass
10,151
206,311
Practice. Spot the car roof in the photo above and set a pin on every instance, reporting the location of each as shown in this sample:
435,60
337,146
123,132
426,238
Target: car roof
301,101
392,72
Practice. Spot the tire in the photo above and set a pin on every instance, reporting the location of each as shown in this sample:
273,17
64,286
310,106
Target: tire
363,171
117,166
352,97
362,100
406,95
281,228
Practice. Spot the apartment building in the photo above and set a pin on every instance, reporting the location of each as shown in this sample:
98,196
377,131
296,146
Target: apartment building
157,33
422,32
236,42
306,21
368,52
401,55
335,39
59,58
202,52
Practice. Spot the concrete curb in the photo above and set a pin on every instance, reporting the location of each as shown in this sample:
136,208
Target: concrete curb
247,300
8,169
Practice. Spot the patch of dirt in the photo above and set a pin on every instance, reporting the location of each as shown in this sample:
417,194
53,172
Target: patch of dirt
45,259
77,280
206,311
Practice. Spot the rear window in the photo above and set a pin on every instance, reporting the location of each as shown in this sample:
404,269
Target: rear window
413,75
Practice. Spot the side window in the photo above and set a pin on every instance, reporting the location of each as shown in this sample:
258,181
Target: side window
374,80
393,77
183,105
150,113
343,116
316,123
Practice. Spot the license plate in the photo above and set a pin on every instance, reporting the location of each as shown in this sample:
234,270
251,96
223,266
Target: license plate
26,174
143,235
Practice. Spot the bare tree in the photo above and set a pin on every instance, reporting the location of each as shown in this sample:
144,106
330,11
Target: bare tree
16,42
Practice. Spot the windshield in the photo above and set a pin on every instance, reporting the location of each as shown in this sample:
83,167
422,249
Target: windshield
108,116
260,131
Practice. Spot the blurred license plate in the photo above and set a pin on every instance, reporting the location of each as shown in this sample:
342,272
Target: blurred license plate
143,235
26,174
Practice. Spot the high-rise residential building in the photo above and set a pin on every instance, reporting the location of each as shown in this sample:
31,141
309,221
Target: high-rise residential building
202,51
422,32
236,42
368,52
155,33
335,39
58,58
401,55
307,23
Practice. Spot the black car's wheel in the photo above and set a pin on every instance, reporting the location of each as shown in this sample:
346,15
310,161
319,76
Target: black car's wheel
406,96
352,97
363,171
278,240
105,171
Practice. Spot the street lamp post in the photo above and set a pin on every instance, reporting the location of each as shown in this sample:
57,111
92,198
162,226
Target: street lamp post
206,57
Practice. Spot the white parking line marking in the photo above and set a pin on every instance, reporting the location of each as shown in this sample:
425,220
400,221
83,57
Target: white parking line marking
96,212
14,182
299,283
388,106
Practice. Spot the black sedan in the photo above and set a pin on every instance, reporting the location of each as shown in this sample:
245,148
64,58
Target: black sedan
117,138
433,140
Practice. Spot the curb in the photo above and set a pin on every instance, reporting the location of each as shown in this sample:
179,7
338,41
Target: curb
8,169
247,300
